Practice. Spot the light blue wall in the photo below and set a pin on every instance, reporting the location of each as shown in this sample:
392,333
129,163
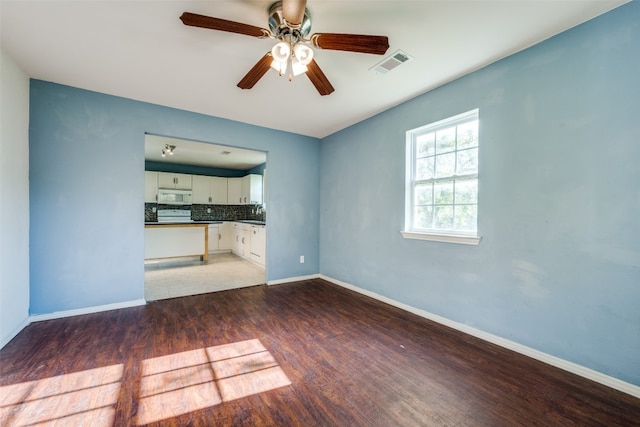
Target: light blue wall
558,267
14,199
87,187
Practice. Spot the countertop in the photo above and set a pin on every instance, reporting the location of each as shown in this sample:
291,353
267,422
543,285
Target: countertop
252,222
246,221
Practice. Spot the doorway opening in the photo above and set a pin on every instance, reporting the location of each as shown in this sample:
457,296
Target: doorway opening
205,217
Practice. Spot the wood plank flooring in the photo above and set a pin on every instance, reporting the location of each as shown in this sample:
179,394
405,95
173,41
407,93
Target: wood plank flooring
302,354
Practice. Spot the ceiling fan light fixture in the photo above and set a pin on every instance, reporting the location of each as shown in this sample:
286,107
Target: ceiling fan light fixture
280,67
298,67
281,52
303,53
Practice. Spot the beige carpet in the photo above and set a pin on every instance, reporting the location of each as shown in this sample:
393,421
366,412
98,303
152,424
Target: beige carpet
178,278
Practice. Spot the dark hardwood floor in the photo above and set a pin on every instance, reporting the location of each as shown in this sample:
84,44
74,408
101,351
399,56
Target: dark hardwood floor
301,354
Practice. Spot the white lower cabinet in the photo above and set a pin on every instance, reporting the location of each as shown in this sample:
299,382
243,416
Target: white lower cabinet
258,244
248,241
241,239
214,237
226,236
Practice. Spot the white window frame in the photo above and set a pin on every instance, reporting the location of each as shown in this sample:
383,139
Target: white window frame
434,234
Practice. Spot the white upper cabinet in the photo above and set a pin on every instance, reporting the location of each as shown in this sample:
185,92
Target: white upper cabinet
209,190
150,187
251,190
201,189
179,181
219,190
234,191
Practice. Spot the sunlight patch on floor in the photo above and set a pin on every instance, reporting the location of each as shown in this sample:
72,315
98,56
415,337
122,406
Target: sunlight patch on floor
80,398
183,382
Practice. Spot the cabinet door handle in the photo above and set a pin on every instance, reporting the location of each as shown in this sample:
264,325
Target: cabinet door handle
219,236
243,240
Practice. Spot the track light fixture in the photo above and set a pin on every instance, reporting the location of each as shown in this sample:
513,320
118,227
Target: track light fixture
168,149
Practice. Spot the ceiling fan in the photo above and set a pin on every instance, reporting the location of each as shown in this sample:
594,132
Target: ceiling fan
290,25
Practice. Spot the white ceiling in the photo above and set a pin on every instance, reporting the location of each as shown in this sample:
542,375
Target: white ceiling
201,154
141,50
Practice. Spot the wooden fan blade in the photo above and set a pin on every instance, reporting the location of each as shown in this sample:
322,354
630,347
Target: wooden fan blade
202,21
318,78
293,11
256,73
376,45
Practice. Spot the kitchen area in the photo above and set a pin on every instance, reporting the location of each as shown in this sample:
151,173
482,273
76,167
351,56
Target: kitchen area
205,217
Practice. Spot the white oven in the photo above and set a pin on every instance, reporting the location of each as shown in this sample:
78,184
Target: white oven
174,215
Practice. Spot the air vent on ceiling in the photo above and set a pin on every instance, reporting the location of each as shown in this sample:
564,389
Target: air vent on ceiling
390,62
225,153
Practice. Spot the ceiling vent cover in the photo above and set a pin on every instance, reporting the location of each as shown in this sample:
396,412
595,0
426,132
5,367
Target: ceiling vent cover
390,62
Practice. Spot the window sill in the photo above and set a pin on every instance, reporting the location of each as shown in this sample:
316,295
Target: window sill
445,238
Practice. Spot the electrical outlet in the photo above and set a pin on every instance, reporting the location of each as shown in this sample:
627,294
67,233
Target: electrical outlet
301,259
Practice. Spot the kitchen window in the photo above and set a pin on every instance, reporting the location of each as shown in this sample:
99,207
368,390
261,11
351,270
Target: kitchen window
441,198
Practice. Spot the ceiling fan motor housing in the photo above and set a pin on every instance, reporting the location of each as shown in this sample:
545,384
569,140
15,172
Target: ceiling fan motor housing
284,30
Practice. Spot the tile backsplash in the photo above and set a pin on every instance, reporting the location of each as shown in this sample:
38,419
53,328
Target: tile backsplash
217,212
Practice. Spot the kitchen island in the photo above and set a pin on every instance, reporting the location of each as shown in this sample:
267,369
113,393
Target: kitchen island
173,240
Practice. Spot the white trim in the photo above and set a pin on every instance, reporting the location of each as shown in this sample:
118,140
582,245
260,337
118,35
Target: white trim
293,279
574,368
87,310
446,238
15,332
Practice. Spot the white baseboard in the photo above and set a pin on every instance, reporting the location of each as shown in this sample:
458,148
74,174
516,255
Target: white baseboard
293,279
86,310
574,368
15,332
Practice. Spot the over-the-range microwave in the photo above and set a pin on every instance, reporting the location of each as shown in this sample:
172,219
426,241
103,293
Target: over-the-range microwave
174,197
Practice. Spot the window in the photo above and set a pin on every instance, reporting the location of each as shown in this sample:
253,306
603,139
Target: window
442,181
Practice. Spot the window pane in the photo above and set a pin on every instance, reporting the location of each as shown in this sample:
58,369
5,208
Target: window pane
446,140
466,217
424,168
445,165
424,194
467,191
423,217
443,193
468,135
444,217
425,145
467,162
